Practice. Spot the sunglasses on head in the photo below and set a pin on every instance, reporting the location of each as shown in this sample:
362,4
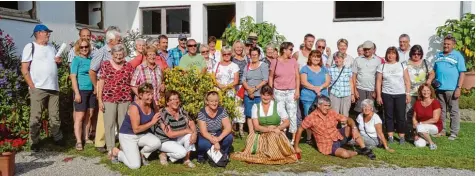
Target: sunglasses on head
192,45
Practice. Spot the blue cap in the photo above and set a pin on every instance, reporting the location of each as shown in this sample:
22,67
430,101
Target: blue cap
182,36
40,27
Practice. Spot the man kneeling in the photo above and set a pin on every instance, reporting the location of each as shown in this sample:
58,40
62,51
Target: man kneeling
323,124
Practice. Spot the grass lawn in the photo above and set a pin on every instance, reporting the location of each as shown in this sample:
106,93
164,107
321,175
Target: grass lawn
457,154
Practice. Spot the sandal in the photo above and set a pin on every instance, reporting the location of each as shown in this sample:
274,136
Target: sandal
79,146
112,155
163,159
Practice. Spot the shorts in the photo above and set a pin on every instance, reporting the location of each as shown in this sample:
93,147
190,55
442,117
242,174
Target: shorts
249,104
88,101
339,143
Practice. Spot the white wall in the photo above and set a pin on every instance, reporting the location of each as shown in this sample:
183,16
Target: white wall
417,19
59,16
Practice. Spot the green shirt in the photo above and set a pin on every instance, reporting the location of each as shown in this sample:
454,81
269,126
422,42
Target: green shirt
187,62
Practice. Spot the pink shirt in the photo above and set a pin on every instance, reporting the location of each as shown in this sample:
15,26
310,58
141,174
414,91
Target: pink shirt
285,74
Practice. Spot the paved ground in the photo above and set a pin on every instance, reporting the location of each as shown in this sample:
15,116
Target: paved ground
53,163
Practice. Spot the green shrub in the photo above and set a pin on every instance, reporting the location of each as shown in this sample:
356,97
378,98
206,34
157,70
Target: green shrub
466,100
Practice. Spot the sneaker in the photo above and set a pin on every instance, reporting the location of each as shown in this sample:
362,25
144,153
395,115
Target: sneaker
390,139
35,147
402,141
433,147
452,137
101,149
144,160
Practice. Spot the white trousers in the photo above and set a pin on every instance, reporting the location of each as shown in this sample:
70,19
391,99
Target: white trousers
130,144
427,128
286,97
179,148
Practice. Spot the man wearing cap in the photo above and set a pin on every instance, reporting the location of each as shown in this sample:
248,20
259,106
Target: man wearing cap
113,37
449,72
40,70
364,69
192,58
253,39
175,54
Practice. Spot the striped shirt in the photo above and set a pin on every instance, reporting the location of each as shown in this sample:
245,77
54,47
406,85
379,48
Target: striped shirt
168,120
340,84
145,74
214,125
102,54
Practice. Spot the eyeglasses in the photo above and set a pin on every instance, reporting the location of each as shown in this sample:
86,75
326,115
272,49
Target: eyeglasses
183,39
203,52
227,54
83,47
417,54
321,47
192,45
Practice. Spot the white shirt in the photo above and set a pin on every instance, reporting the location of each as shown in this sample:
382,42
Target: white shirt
226,75
392,79
368,127
403,56
43,68
281,111
216,56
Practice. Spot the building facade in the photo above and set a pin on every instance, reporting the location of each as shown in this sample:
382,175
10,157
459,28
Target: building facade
378,21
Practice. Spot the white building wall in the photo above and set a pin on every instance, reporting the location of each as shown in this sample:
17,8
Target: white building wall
417,19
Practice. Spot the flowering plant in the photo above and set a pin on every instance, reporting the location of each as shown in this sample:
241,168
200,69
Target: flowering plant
11,145
98,41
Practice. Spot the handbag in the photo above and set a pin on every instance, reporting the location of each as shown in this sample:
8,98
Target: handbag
435,83
241,91
217,158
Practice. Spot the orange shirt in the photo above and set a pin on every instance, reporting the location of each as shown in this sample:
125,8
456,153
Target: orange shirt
324,129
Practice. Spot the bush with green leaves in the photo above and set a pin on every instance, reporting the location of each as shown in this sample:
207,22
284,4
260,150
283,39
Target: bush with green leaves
267,32
466,100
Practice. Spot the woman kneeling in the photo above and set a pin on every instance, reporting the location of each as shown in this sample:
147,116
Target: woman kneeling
176,131
426,117
135,130
269,144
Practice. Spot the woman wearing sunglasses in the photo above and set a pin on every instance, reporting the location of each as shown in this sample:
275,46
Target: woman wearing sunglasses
420,71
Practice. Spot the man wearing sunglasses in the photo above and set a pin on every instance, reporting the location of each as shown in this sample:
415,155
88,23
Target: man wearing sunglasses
175,54
404,49
321,46
192,58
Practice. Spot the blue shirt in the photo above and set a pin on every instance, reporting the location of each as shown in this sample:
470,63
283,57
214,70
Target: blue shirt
316,79
340,84
126,127
447,69
80,67
175,54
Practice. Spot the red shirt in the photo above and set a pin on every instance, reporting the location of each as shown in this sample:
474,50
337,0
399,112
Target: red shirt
160,61
324,129
117,87
426,113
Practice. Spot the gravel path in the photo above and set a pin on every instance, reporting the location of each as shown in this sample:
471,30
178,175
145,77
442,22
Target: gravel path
52,164
382,172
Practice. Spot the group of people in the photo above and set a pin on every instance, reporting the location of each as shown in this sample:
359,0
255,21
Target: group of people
277,91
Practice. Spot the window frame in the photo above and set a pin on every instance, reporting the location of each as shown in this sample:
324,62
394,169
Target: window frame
359,18
14,14
163,19
95,28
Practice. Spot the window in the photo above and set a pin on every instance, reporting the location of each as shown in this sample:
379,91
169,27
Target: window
166,20
18,10
358,10
89,14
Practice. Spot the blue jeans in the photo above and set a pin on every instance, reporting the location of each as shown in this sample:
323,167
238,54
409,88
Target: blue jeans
249,104
204,145
306,105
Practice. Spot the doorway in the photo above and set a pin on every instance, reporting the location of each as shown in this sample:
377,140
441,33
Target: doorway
219,17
